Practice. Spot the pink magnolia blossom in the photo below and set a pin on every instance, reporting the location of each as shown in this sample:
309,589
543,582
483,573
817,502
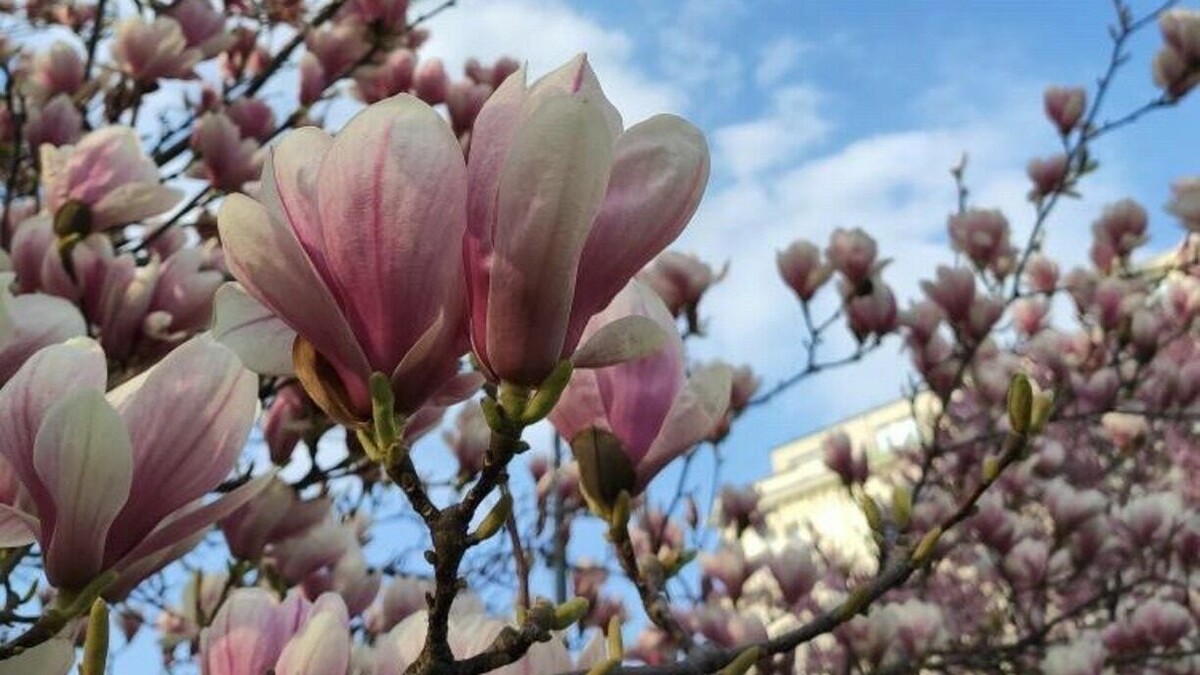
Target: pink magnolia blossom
681,280
464,100
57,122
389,14
31,321
1185,202
57,70
1065,106
652,410
730,566
1048,175
312,79
393,76
981,235
337,47
291,418
107,173
430,81
564,209
203,26
870,308
794,570
840,458
493,75
149,51
1175,66
255,633
224,158
469,441
802,270
254,119
852,253
378,207
117,481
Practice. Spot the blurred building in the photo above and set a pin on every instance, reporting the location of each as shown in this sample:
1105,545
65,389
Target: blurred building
804,499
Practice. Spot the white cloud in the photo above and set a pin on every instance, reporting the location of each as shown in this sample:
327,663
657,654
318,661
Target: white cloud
778,59
547,34
792,125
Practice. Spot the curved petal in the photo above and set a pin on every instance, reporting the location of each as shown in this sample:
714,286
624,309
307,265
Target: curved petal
190,521
391,193
17,528
579,407
626,339
180,457
659,174
84,458
32,321
289,188
46,378
323,645
260,339
133,202
550,190
264,254
700,407
638,395
246,635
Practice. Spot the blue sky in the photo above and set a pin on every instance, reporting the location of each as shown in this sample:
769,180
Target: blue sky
839,114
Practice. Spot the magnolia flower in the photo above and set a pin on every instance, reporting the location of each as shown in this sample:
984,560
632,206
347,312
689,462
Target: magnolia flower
430,82
31,321
338,221
203,26
255,633
471,632
224,158
104,180
801,268
148,51
564,209
57,122
852,252
981,235
254,119
393,76
1065,106
626,422
680,279
1185,202
116,480
469,441
57,70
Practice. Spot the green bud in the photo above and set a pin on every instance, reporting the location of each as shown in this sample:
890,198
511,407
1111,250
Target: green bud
570,612
513,399
95,646
383,409
1043,405
620,512
368,444
901,505
495,518
1020,403
871,510
743,662
924,549
493,415
991,468
856,602
616,646
547,394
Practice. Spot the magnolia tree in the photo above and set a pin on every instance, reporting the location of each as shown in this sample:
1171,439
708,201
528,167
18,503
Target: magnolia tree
183,243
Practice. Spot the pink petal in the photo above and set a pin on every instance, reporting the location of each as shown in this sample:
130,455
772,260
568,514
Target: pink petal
579,407
638,395
32,321
391,195
322,647
46,378
700,407
17,528
179,458
260,339
191,520
626,339
659,174
246,636
84,458
264,254
550,191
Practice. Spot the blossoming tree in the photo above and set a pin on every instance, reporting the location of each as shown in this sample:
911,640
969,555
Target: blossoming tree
176,254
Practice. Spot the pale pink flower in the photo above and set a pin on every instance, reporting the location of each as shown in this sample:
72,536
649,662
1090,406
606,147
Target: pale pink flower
801,267
57,70
149,51
1065,106
852,253
981,235
381,206
954,292
469,441
464,100
223,157
1121,228
107,173
564,209
393,76
680,279
203,26
730,566
1041,273
794,570
1083,656
1048,175
390,14
649,405
870,309
337,47
1175,66
117,481
255,633
57,122
31,321
312,79
430,81
254,119
497,73
1185,202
